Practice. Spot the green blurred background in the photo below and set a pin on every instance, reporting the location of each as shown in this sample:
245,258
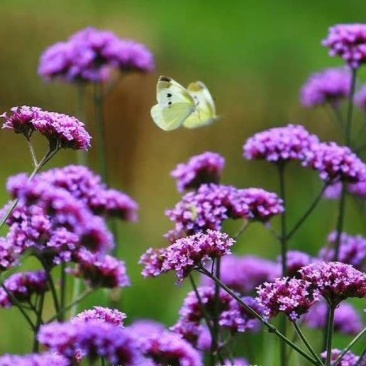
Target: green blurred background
253,55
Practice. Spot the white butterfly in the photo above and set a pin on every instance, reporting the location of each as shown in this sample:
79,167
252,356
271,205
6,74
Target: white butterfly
192,107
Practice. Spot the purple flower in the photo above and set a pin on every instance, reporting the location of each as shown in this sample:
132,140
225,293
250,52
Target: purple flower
200,169
91,54
236,362
295,260
333,192
291,296
167,348
21,287
192,251
211,204
41,359
279,144
346,318
352,250
90,340
335,163
349,42
349,359
152,260
244,274
61,130
145,327
8,254
335,281
100,270
328,86
101,314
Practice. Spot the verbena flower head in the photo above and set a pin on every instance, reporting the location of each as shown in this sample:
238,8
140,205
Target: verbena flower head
167,348
100,270
89,340
349,42
190,252
102,314
152,260
211,204
244,274
352,250
279,144
349,359
335,163
22,286
200,169
333,191
295,260
39,359
8,254
61,130
335,281
232,316
91,54
346,318
328,86
291,296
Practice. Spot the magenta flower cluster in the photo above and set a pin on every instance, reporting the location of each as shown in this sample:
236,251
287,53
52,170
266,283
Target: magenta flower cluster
61,130
349,42
186,254
36,359
101,314
329,86
279,144
200,169
91,54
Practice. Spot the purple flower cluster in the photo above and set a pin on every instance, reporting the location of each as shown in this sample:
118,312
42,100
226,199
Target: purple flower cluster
100,270
335,163
211,204
232,316
61,130
335,281
91,54
8,254
89,340
244,274
349,42
295,260
279,144
352,250
101,314
291,296
328,86
333,192
346,318
200,169
39,359
186,254
21,286
349,359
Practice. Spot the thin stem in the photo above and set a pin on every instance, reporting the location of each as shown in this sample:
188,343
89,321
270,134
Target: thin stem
63,284
361,359
271,328
241,230
75,294
307,212
330,326
358,336
39,322
99,120
340,221
69,306
283,241
336,114
215,317
81,155
348,127
32,152
306,343
19,306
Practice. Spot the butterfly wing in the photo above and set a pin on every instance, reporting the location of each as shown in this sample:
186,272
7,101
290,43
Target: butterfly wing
205,111
175,104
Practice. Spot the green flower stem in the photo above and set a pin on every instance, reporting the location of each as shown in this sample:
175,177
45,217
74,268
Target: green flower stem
306,343
63,286
330,326
39,322
76,290
19,306
271,328
362,358
32,152
348,127
307,212
241,230
353,342
336,114
99,120
340,221
283,241
215,316
82,157
81,297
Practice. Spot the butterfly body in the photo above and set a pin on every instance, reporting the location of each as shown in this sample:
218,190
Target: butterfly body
177,106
